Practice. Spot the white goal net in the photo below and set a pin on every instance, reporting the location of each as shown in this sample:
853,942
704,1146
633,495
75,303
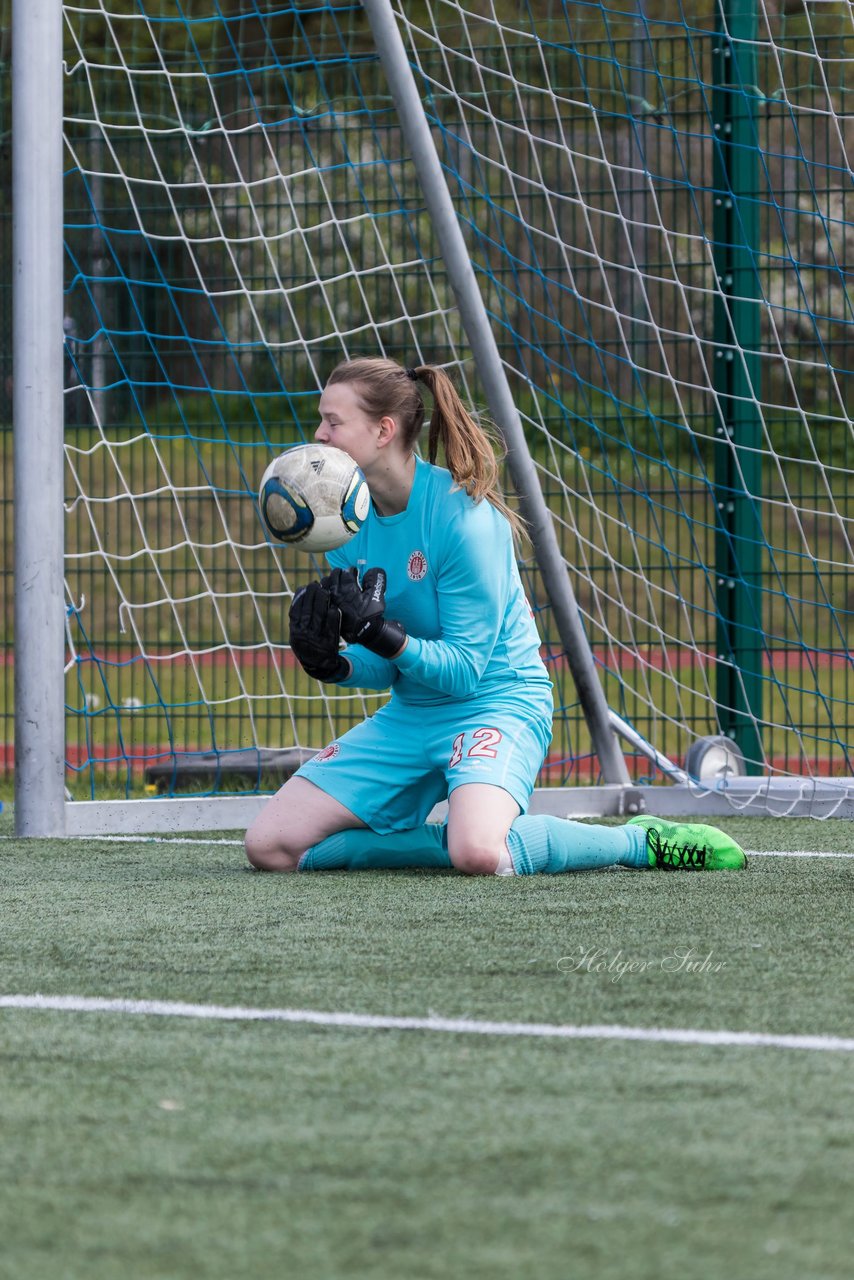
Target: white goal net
660,214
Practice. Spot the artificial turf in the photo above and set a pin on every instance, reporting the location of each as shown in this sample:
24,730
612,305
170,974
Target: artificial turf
153,1147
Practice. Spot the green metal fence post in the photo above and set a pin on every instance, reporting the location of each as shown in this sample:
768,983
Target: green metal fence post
737,380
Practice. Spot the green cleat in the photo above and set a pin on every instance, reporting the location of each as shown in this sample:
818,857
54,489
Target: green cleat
689,846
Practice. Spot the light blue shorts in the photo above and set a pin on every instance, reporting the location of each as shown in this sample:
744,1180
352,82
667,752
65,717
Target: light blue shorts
394,767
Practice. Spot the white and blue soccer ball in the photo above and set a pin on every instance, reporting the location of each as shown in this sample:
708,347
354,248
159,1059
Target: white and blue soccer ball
314,497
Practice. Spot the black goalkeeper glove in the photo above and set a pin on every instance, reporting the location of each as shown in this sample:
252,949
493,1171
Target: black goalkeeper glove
315,625
362,610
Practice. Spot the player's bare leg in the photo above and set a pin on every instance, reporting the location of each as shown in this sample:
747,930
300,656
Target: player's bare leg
298,816
479,817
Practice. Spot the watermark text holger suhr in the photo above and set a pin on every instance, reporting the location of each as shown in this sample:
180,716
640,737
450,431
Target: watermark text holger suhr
616,964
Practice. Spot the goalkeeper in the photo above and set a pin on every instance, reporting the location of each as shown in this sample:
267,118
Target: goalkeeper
428,601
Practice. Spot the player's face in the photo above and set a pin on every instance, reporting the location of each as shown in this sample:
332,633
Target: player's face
344,424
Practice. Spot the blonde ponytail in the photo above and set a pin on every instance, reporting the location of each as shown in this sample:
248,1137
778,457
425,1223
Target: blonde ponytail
468,448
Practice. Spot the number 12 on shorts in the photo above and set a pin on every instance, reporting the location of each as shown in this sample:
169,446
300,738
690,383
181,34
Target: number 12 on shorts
483,744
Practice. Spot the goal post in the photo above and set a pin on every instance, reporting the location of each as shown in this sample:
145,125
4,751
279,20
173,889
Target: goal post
556,581
623,234
37,413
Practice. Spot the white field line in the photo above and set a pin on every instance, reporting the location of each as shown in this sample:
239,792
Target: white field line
794,853
452,1026
238,844
98,839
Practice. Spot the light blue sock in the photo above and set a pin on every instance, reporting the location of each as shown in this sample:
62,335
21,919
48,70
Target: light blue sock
360,850
543,843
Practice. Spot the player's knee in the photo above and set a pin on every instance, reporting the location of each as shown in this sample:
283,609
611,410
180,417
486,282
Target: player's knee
266,854
474,856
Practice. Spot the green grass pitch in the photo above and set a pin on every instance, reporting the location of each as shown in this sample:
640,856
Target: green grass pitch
171,1148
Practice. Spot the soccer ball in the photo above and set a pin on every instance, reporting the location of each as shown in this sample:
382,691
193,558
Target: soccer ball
314,497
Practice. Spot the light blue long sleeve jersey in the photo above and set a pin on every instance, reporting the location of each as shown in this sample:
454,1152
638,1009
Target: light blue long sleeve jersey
453,583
